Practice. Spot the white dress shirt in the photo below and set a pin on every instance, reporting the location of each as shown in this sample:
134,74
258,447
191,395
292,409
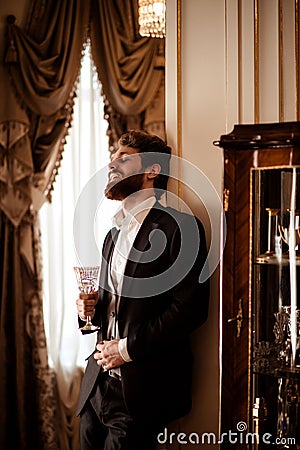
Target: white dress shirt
129,223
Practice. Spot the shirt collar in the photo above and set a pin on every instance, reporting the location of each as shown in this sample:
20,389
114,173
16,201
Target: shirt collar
136,215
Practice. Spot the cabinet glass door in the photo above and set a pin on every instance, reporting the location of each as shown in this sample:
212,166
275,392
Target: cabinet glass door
275,310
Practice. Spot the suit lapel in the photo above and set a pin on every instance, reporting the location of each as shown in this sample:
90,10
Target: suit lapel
111,240
141,241
103,282
106,256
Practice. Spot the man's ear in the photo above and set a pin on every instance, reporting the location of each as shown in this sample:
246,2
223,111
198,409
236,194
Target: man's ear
153,171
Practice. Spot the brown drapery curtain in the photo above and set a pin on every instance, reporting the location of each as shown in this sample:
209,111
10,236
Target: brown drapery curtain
41,66
130,68
42,62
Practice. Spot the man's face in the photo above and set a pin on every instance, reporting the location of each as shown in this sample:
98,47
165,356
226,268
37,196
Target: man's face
124,177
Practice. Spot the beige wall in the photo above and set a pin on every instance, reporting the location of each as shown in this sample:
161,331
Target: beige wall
238,64
201,121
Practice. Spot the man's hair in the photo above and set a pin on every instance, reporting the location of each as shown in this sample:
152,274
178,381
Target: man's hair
154,150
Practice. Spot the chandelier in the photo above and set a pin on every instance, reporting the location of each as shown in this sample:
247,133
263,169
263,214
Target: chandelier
152,21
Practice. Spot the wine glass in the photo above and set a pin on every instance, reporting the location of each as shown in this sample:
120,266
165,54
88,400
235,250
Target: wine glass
87,280
272,230
289,227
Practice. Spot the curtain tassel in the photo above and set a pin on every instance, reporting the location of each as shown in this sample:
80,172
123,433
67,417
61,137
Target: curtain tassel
11,54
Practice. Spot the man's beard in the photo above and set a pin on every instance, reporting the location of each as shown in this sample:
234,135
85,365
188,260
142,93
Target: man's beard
120,189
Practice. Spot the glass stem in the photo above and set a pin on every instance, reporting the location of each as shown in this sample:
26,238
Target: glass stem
88,320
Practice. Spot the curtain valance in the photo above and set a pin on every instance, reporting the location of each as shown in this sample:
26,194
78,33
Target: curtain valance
44,61
130,67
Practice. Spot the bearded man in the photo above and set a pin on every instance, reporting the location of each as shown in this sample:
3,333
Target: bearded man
149,302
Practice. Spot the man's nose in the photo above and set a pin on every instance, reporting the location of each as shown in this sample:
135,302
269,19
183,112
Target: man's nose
112,164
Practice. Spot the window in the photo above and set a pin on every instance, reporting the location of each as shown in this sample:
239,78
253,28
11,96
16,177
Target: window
86,152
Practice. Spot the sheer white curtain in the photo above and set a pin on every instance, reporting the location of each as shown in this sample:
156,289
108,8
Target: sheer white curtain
86,152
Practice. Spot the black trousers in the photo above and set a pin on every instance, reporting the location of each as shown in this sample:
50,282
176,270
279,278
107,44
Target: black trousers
105,423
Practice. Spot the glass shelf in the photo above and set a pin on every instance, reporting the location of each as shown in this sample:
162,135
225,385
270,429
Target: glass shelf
271,258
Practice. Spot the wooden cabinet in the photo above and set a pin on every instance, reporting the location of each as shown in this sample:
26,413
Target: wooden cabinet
260,403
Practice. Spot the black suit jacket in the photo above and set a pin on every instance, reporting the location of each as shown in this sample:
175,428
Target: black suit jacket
162,302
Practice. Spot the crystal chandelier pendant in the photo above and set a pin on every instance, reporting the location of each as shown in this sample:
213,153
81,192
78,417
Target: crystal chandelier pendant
152,20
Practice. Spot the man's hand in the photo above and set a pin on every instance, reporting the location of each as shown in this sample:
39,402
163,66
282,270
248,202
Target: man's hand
86,305
108,355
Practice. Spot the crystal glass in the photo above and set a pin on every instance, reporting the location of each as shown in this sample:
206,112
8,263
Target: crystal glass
272,230
289,228
287,337
87,281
